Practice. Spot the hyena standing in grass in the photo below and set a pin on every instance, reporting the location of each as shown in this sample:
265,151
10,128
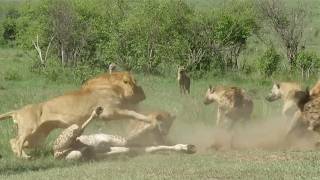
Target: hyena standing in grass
184,80
112,68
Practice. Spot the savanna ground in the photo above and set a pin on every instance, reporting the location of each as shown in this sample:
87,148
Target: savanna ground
259,153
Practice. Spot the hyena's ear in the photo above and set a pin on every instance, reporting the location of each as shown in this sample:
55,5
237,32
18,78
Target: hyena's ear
211,88
307,90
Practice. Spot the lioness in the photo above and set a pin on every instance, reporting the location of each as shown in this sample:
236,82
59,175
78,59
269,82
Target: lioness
233,103
286,92
37,120
144,137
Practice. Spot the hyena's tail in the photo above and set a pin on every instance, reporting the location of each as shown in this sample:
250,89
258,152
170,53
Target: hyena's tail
7,115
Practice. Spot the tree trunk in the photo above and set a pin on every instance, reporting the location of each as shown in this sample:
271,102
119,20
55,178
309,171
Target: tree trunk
62,55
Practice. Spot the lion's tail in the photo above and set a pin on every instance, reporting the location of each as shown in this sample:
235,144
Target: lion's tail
7,115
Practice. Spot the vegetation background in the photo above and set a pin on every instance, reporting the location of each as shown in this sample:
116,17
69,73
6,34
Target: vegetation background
51,46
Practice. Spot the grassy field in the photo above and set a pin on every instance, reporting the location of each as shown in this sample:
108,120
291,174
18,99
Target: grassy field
257,157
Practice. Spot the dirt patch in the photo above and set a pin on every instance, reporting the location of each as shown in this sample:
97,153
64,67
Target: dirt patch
264,135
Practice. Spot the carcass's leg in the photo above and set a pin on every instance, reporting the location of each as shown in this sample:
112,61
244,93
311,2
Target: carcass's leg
186,148
114,151
74,155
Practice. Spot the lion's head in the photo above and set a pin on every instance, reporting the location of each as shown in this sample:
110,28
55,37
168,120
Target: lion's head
132,93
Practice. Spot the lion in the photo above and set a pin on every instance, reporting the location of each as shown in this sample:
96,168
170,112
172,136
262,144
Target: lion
143,137
36,121
286,92
233,103
184,81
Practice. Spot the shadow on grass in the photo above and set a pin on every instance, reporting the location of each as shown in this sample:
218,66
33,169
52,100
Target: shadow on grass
42,160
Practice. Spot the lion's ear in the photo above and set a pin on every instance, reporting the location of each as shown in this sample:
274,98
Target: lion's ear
278,85
210,86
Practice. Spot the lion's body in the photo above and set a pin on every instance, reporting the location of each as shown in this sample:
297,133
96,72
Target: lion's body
38,120
233,103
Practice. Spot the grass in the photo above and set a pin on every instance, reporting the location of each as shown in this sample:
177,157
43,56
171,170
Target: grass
194,124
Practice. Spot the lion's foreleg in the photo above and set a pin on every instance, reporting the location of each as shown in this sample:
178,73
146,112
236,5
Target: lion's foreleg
133,114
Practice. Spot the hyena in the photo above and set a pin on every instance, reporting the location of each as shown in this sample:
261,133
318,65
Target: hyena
184,80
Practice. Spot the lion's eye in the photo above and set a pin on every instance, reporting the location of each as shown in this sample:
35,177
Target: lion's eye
125,81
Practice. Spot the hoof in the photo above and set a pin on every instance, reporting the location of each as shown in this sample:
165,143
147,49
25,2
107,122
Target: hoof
191,149
99,110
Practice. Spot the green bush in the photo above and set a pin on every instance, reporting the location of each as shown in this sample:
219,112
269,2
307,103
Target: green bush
144,36
12,76
308,63
269,62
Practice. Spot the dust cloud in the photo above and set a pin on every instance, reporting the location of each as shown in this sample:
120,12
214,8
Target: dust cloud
255,134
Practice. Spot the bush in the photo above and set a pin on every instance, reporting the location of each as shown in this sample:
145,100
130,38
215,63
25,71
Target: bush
269,62
12,76
308,63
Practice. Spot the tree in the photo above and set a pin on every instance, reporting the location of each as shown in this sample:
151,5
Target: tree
288,23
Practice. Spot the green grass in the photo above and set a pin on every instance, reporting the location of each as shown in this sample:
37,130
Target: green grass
194,124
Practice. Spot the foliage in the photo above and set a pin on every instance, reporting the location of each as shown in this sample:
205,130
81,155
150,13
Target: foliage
9,27
142,36
308,62
289,23
12,76
269,62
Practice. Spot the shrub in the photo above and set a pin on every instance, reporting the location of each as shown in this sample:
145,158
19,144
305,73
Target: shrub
308,63
269,62
12,76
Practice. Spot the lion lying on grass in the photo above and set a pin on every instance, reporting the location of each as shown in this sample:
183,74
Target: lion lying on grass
36,121
143,137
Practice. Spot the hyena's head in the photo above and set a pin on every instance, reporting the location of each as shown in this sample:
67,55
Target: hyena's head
209,97
275,93
314,125
181,69
112,67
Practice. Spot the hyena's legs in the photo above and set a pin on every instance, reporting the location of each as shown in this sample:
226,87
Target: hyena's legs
220,117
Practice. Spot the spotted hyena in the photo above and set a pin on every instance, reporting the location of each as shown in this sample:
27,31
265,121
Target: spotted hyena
233,104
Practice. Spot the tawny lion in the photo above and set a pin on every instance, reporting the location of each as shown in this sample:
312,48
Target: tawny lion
36,121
